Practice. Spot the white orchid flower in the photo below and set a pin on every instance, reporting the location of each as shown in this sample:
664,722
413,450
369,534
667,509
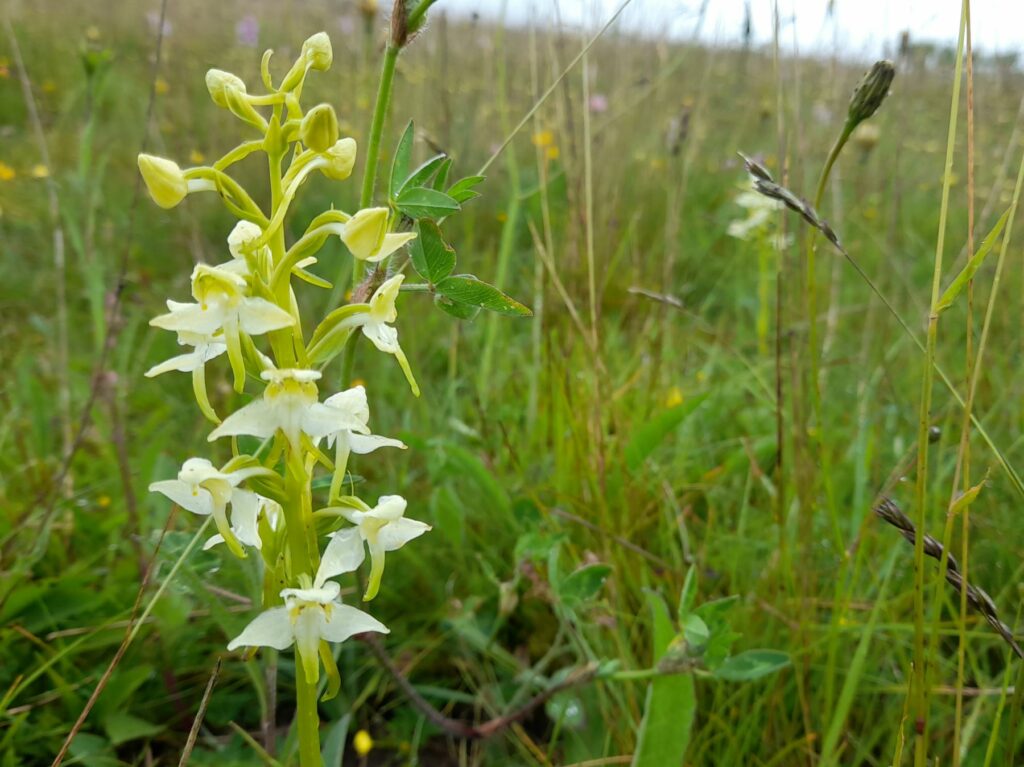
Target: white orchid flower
289,403
314,613
355,436
222,305
384,528
204,490
374,324
205,347
245,514
366,235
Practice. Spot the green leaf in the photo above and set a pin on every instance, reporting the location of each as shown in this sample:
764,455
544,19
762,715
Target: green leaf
583,584
400,162
966,498
422,175
650,435
424,202
696,632
670,705
442,174
431,256
333,750
122,727
462,190
752,664
467,289
459,311
967,273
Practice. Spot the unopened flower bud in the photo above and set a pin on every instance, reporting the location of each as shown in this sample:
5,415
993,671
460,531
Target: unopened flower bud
364,232
317,52
341,158
164,180
221,85
319,129
243,233
870,92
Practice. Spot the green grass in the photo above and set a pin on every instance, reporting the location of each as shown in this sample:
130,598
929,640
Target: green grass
525,438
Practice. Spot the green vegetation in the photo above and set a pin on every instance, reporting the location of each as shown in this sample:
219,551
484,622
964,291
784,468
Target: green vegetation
617,544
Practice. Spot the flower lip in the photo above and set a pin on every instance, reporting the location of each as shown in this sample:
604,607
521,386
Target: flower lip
198,470
275,375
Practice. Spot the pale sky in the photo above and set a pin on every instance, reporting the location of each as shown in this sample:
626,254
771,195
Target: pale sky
865,26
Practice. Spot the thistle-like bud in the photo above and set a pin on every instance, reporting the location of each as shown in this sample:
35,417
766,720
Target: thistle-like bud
341,158
317,52
364,232
222,85
870,93
164,179
319,129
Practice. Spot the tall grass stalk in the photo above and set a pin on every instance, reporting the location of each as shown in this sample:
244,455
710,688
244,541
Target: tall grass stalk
919,692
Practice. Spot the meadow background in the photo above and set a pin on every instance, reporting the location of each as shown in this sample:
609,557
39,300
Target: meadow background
632,422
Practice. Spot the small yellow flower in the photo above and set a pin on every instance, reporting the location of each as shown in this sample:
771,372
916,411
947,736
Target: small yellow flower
674,397
551,153
49,86
161,86
103,501
871,213
92,33
362,743
40,171
196,157
544,138
502,217
6,172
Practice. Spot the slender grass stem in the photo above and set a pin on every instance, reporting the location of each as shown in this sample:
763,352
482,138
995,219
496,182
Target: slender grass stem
919,702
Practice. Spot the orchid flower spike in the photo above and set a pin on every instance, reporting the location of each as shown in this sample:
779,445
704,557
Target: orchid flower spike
384,528
289,403
315,613
203,490
355,436
222,305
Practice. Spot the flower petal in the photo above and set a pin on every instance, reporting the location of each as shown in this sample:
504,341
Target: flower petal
184,363
343,554
396,534
191,317
257,316
319,420
272,628
392,242
383,336
353,403
361,444
198,502
257,419
245,510
344,621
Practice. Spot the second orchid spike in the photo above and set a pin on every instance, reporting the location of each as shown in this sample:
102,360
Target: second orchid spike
870,93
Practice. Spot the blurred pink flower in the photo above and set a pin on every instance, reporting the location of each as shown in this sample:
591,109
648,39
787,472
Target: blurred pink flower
153,19
247,31
598,103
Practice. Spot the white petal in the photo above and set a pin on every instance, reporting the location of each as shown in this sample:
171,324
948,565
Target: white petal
214,540
344,621
388,507
258,419
392,242
184,363
343,554
198,502
353,403
382,302
191,317
384,337
363,444
257,316
394,535
272,628
319,420
245,509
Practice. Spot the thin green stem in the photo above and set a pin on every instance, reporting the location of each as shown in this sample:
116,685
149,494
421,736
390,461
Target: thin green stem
919,699
308,718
